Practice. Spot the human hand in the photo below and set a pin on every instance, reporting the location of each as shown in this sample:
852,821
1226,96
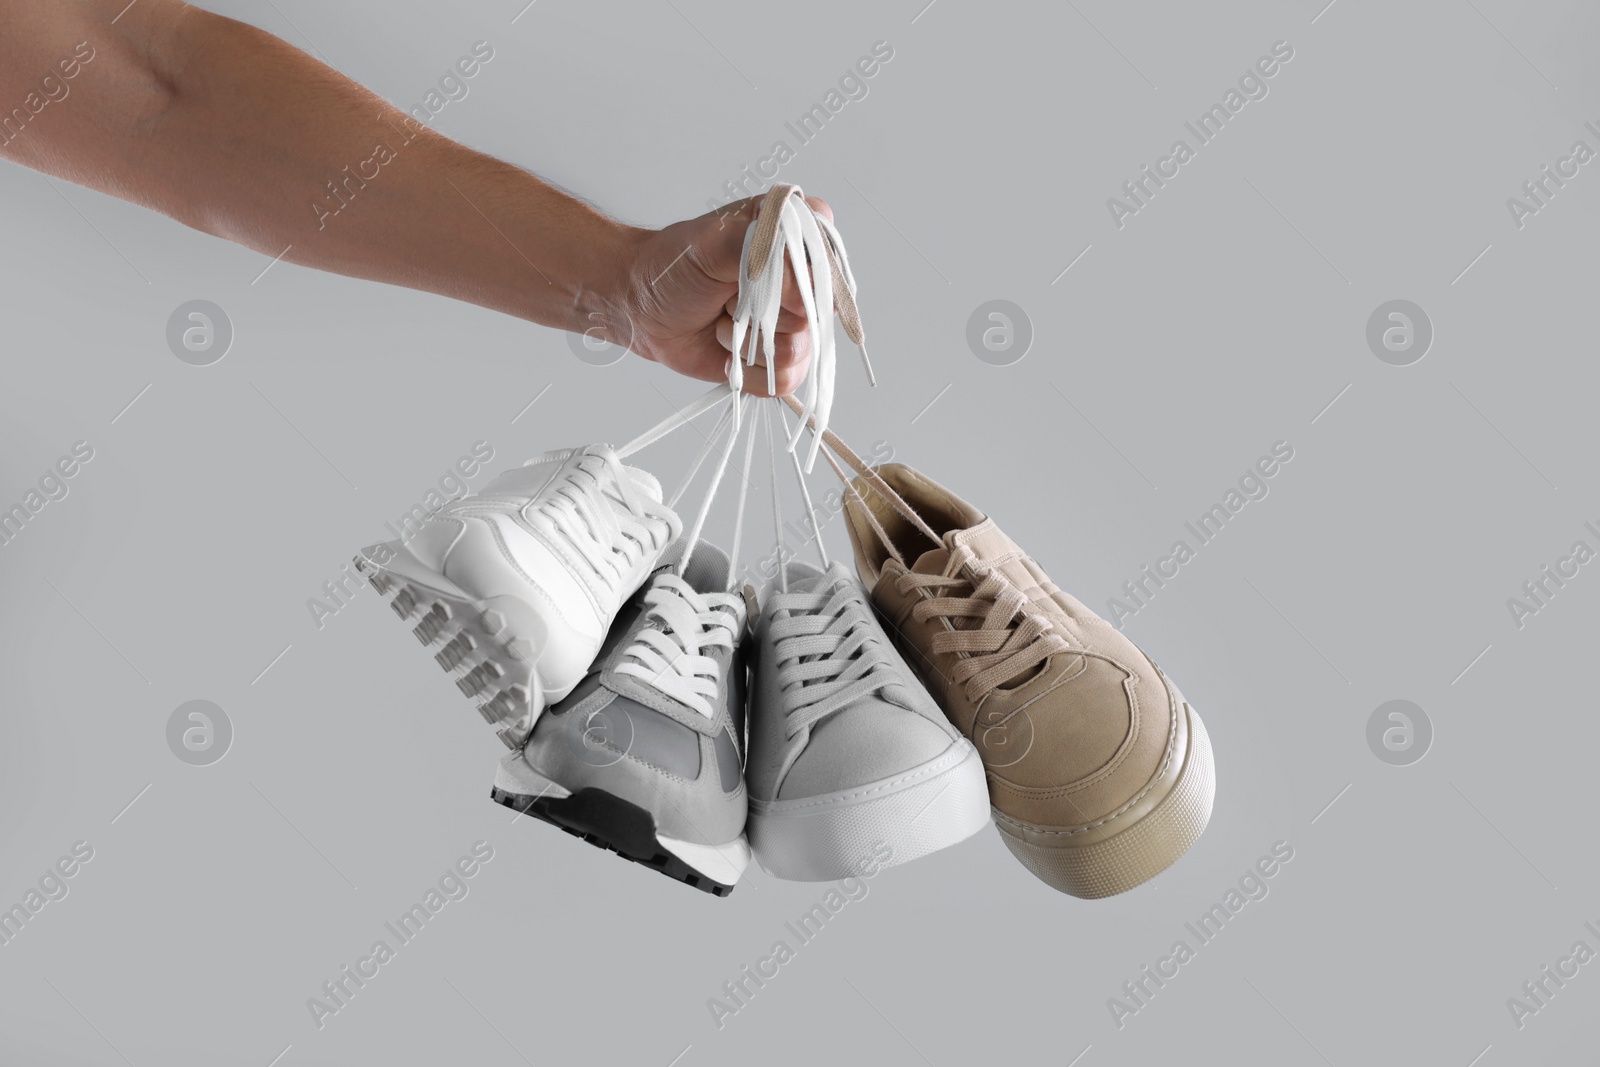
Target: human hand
681,286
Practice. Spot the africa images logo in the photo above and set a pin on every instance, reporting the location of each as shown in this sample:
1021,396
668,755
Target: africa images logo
1251,887
453,885
1252,486
1252,85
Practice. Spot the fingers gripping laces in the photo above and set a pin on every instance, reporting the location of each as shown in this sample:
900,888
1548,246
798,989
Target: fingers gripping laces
670,652
786,226
829,655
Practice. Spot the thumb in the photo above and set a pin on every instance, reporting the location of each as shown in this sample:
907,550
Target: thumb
720,237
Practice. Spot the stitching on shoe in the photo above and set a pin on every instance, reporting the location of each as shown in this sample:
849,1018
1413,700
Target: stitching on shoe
1118,758
505,551
878,787
592,587
1172,743
1067,675
1124,750
663,772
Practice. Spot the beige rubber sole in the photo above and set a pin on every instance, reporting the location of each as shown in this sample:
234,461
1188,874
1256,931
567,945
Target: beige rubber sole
1128,851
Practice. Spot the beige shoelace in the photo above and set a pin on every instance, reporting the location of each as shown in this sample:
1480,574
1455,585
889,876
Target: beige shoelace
788,230
1003,639
1002,642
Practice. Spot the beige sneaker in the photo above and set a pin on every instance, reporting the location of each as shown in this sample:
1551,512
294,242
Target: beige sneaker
1100,774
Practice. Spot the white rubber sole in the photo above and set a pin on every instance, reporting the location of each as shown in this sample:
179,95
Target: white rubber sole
724,864
489,647
820,839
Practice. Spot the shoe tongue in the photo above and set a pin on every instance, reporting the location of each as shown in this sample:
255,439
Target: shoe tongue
985,540
638,477
802,577
708,569
646,481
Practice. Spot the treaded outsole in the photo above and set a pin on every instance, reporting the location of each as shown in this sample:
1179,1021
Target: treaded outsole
471,644
611,823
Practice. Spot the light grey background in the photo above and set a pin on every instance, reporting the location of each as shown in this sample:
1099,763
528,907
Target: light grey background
1228,314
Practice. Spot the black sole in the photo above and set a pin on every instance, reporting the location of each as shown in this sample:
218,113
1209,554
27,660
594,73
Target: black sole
611,823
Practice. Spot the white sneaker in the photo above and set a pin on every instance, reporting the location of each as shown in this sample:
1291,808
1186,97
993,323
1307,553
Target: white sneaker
851,764
516,586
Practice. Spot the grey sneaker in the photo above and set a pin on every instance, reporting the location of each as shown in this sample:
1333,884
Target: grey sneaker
851,763
643,757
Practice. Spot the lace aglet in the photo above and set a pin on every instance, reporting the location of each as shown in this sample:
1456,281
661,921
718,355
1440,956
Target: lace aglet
795,435
810,461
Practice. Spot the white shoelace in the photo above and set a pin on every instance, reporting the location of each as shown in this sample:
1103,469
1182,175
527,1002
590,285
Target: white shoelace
681,625
828,655
777,506
597,509
821,267
599,512
669,653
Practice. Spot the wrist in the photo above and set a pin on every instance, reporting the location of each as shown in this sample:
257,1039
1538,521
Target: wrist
603,302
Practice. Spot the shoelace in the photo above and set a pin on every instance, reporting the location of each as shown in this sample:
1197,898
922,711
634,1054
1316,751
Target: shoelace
681,626
1006,640
579,510
1001,640
829,655
670,658
805,495
598,510
788,226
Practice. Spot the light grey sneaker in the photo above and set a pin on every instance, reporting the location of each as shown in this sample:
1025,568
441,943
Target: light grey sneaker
851,762
643,757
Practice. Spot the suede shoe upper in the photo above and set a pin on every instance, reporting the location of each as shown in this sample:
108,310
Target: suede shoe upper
1074,722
